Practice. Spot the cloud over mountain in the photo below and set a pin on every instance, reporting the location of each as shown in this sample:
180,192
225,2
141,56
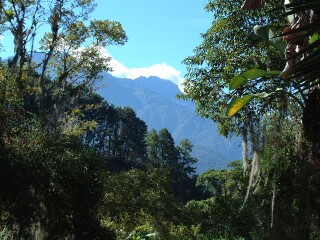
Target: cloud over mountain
161,70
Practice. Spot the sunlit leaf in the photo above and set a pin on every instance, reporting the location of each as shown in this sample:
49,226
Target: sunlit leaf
314,38
252,74
237,104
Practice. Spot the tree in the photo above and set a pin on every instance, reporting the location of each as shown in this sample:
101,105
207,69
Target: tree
302,71
137,200
152,140
168,154
301,76
301,37
162,153
185,159
116,132
218,72
52,183
52,186
132,134
230,47
161,150
70,45
271,97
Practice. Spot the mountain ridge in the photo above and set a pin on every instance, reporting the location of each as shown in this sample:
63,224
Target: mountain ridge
154,100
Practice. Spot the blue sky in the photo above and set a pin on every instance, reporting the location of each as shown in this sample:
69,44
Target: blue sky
161,34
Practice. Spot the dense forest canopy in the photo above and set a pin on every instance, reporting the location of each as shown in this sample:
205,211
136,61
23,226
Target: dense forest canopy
73,166
261,57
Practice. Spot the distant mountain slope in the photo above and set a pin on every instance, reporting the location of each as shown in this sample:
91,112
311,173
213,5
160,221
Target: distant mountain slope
154,101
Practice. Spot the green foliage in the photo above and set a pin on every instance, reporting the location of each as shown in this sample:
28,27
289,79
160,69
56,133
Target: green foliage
229,48
219,215
186,159
269,37
47,192
70,45
252,74
237,104
118,132
135,198
106,32
152,150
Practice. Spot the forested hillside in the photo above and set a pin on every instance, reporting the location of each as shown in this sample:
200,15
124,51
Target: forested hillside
154,100
74,166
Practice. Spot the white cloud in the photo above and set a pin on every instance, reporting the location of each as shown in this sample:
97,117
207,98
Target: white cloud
161,70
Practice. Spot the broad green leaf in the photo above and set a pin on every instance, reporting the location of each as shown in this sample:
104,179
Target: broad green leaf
237,104
241,79
237,81
254,73
314,38
269,37
273,73
277,41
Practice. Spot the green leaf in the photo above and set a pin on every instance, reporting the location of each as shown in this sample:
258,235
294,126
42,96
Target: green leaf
237,81
277,41
237,104
314,38
252,74
269,37
255,73
273,73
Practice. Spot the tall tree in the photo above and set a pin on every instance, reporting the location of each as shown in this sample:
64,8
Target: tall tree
168,154
230,47
152,140
53,183
70,46
185,159
216,71
116,132
132,134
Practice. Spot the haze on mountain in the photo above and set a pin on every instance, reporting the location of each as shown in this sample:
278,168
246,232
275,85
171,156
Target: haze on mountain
154,100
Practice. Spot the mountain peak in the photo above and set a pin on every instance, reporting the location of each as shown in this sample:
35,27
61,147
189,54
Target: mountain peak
154,100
